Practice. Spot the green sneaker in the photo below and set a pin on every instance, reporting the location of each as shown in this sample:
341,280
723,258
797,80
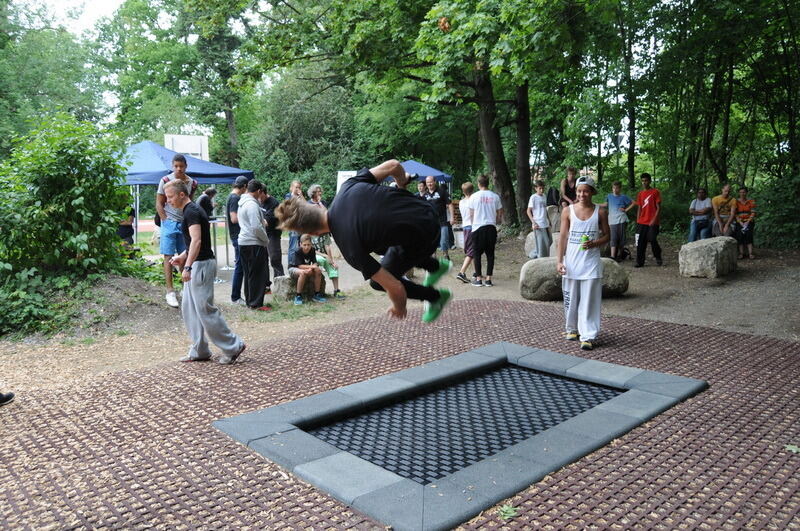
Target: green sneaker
433,309
433,278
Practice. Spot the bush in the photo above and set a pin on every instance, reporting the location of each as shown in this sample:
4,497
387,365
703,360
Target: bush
60,206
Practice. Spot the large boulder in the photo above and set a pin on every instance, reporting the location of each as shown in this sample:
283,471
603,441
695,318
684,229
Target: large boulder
710,258
530,244
285,288
554,217
539,280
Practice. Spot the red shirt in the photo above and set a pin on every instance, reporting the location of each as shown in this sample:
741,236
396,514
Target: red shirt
648,201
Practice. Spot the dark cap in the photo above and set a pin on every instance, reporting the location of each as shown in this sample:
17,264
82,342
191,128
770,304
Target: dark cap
240,182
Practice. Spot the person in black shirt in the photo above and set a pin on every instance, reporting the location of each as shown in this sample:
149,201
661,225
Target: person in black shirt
200,315
268,206
302,266
232,220
365,218
439,199
125,230
206,201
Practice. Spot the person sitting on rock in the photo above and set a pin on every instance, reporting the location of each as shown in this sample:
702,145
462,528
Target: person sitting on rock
303,266
724,212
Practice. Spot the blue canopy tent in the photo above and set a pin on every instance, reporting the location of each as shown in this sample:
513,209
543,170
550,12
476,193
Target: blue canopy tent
423,170
147,162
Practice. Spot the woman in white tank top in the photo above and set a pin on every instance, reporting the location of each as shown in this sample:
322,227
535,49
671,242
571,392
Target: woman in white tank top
584,230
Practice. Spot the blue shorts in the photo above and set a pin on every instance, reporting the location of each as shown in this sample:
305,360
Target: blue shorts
172,242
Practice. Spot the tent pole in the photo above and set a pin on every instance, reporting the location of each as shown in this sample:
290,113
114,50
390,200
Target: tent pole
136,218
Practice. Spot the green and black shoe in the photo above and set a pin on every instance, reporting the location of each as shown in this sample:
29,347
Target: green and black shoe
433,278
433,309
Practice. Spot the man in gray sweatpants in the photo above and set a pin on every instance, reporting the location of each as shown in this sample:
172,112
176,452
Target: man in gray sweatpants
200,315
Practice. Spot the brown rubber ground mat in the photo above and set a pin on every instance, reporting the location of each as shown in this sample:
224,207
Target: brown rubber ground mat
136,449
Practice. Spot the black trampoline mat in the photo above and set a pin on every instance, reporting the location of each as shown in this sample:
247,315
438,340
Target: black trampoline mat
433,435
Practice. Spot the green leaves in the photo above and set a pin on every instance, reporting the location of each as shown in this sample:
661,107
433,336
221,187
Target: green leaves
507,512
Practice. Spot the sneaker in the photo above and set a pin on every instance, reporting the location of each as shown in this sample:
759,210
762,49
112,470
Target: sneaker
298,300
488,283
6,398
587,345
462,277
659,262
338,294
172,299
476,283
189,358
239,302
433,309
268,291
432,278
318,297
638,265
571,336
225,360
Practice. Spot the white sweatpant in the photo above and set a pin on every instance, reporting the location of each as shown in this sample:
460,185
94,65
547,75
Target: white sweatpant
202,318
582,306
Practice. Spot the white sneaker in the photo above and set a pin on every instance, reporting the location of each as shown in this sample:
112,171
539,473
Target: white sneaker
172,299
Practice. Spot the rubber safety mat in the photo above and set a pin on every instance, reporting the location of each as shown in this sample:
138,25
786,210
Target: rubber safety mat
433,435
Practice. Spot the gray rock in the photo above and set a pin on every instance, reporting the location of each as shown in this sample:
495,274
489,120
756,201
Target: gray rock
710,258
554,217
539,280
530,244
285,288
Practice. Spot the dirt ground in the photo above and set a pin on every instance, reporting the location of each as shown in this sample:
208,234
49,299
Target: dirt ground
130,327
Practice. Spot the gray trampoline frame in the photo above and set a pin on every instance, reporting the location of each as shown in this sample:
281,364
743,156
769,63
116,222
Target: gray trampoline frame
277,434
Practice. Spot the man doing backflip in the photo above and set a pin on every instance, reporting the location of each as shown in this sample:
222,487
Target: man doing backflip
365,218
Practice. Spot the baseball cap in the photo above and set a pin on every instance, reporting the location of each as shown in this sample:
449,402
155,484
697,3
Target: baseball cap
241,181
588,181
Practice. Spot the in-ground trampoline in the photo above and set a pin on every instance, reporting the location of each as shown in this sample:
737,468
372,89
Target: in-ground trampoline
431,446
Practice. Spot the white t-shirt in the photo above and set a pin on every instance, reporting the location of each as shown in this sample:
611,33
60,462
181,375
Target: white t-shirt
485,205
539,205
466,214
701,205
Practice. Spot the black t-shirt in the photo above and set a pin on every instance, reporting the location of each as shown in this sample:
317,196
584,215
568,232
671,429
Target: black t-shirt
194,215
126,231
205,203
232,206
297,257
439,200
268,208
366,217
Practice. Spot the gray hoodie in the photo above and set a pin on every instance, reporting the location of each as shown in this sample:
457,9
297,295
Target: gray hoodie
251,222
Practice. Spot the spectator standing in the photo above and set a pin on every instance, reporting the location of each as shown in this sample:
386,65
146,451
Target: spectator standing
232,219
537,213
487,212
724,212
466,225
199,268
648,202
303,266
617,204
268,206
125,229
171,239
206,201
700,209
439,199
253,243
584,230
322,243
421,189
745,223
568,187
369,218
295,190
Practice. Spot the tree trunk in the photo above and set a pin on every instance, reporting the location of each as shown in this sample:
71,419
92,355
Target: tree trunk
493,146
630,96
233,136
523,150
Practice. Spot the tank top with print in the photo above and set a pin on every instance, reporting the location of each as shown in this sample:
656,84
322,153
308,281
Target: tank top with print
583,264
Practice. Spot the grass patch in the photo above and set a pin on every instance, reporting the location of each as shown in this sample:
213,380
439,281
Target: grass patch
286,310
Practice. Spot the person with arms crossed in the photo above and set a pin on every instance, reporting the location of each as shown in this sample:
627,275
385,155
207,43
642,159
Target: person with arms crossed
584,230
700,209
199,268
365,218
253,243
171,238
